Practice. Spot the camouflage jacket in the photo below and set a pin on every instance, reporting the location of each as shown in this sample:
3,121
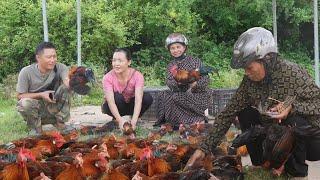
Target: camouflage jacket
285,79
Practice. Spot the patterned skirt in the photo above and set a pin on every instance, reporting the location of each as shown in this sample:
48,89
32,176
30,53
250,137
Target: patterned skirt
182,107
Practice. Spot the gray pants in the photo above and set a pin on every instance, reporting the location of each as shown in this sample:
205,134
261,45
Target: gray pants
37,112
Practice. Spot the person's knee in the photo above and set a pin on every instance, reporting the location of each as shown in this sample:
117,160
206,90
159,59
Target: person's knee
62,93
63,88
297,121
147,99
27,104
105,109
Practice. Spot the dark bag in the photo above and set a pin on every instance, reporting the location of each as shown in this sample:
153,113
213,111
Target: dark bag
54,83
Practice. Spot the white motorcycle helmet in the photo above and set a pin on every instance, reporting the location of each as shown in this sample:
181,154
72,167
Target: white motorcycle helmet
176,38
253,44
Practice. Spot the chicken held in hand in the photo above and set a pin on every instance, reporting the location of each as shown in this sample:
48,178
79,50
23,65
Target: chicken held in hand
185,77
128,130
79,77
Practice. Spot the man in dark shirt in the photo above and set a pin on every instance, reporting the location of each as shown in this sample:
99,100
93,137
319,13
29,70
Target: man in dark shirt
267,77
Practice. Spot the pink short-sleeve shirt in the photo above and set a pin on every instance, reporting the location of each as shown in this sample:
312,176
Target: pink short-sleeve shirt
110,83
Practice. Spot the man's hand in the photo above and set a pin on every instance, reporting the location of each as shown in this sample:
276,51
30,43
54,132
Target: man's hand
66,82
278,112
198,155
48,96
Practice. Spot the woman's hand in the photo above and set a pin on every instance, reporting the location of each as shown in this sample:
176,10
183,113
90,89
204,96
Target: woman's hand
192,85
278,112
121,121
134,123
198,155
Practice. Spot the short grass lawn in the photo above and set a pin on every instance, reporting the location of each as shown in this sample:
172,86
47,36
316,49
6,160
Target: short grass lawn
11,124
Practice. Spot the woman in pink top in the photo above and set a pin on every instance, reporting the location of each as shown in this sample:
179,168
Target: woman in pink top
123,90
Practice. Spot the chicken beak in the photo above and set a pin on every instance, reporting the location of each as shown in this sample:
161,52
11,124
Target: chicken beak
90,75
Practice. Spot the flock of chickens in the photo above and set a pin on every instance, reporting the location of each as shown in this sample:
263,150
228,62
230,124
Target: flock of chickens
53,155
109,157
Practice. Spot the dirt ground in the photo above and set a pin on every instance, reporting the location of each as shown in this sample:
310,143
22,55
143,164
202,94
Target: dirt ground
91,115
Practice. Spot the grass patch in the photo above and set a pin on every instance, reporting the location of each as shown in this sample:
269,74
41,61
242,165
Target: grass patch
226,79
11,124
260,174
95,97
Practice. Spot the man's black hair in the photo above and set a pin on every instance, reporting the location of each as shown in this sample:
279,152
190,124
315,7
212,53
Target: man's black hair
44,45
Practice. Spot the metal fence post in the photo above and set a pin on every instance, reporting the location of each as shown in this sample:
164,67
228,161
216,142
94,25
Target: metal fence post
316,41
45,21
79,32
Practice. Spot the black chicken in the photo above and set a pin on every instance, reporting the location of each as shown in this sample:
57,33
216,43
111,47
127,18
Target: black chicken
79,77
248,136
277,147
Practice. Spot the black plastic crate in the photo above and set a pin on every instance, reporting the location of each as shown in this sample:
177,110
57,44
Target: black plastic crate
220,98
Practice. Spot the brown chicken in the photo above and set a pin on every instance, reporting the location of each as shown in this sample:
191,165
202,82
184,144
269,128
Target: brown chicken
55,167
48,147
30,142
79,77
67,157
183,151
131,150
35,168
166,128
112,174
128,130
186,77
185,131
146,165
195,140
129,169
114,146
205,163
94,164
154,165
74,171
177,155
223,148
156,135
18,170
280,142
71,136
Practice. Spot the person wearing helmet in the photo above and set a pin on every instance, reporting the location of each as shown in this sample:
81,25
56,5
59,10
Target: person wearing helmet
282,93
183,103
